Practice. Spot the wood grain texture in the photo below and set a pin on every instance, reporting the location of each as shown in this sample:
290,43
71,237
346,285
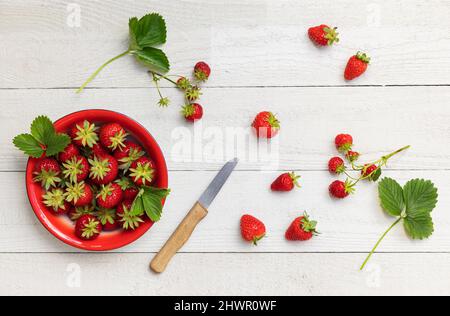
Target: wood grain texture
248,43
225,274
353,225
381,120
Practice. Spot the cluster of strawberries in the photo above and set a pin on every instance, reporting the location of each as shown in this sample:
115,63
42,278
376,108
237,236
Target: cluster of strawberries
369,171
323,35
96,179
192,111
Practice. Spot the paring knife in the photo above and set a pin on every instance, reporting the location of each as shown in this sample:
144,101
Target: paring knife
194,217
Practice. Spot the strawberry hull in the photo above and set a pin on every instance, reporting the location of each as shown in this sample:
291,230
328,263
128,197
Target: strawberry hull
60,227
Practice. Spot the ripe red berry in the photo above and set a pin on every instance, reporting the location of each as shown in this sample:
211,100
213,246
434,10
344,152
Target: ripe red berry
193,112
344,142
341,190
88,227
84,134
336,165
113,136
302,229
357,65
68,153
47,172
323,35
252,229
202,71
286,182
352,156
143,172
110,196
266,125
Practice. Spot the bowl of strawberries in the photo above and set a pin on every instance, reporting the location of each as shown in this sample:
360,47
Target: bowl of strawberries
96,179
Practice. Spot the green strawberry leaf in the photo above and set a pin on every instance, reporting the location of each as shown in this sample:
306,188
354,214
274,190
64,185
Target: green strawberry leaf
420,196
42,129
149,31
154,59
29,145
419,225
376,176
56,143
391,197
149,202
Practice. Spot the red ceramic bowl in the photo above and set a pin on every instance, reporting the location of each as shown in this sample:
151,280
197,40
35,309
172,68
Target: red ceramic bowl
61,226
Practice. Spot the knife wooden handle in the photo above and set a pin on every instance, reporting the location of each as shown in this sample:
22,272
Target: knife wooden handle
178,238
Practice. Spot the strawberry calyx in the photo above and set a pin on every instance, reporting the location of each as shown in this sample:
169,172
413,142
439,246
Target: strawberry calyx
99,168
308,225
90,228
106,216
257,239
144,172
117,141
73,168
363,57
128,220
78,212
193,93
273,121
164,102
75,191
331,35
349,186
183,83
124,183
55,199
188,110
133,155
47,178
105,191
295,179
87,134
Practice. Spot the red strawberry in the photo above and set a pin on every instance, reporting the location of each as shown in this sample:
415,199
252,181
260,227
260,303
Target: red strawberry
104,169
98,150
56,201
323,35
75,213
252,229
130,194
142,171
108,218
336,165
266,125
68,153
76,169
286,182
128,154
369,171
302,229
125,218
110,196
341,190
47,172
344,142
113,136
202,71
357,65
84,134
79,194
88,227
352,156
192,112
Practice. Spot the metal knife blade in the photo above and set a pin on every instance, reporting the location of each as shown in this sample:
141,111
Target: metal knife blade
216,185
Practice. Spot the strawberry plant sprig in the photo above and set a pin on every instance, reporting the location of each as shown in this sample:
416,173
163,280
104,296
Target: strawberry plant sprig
145,34
412,205
43,139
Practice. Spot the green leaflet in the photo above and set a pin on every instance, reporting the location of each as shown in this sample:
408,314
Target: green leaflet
391,197
154,59
149,201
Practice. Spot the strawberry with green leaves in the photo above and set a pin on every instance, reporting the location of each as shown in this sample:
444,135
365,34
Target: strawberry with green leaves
344,142
352,156
336,165
370,172
341,190
126,218
104,169
110,196
128,154
356,66
143,172
47,172
130,191
286,182
252,229
55,200
68,153
323,35
84,134
75,213
108,218
76,169
412,204
113,136
202,71
266,125
302,229
79,194
192,112
88,228
43,141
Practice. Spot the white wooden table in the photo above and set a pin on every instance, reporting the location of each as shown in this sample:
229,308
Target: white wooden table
261,59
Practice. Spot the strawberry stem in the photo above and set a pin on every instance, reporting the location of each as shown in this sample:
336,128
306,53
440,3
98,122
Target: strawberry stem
386,158
379,242
95,74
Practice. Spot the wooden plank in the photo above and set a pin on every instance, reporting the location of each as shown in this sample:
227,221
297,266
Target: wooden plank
352,225
381,120
248,43
225,274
